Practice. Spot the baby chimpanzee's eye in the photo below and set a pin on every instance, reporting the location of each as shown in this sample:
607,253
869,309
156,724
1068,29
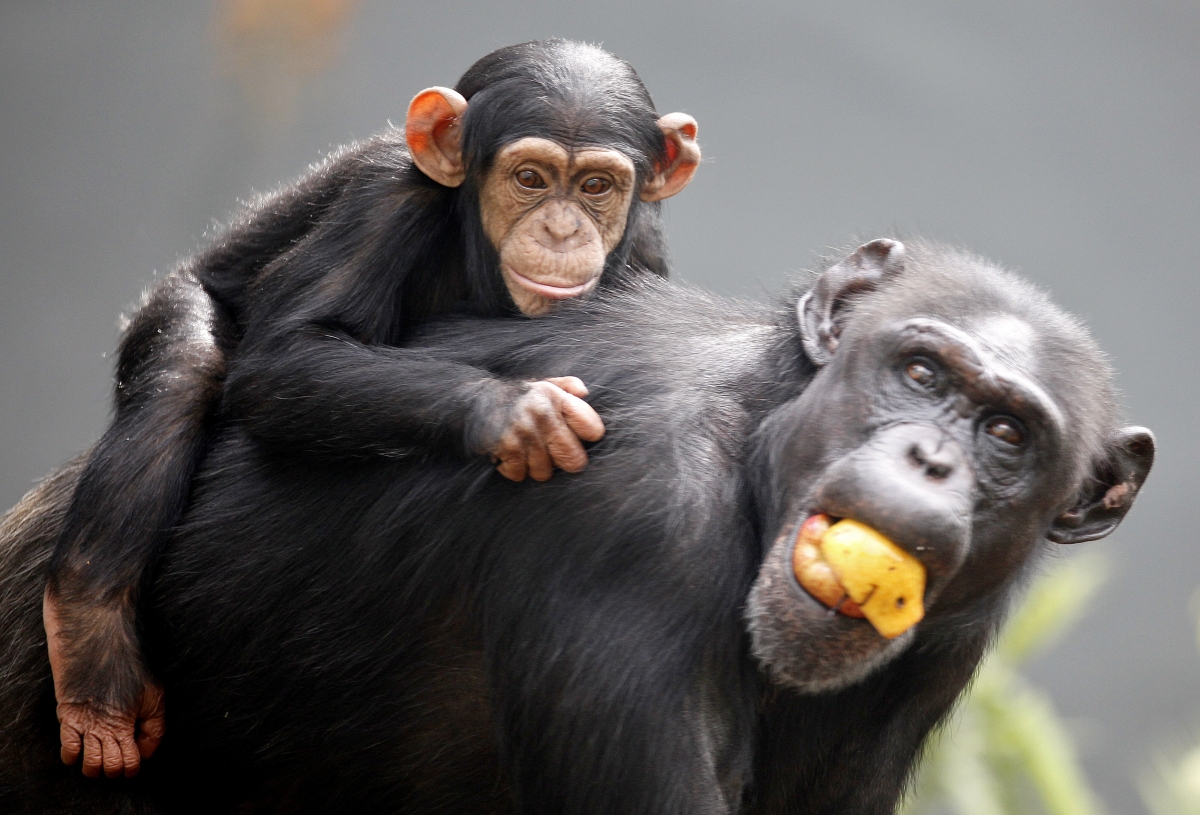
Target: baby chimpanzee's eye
1005,429
596,186
530,180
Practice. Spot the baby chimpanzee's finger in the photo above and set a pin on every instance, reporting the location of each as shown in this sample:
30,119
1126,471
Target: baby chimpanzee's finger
512,466
581,417
72,743
150,736
563,445
541,466
571,384
113,759
93,755
130,757
151,720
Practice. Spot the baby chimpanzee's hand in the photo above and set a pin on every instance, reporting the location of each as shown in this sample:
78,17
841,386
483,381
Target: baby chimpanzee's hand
544,428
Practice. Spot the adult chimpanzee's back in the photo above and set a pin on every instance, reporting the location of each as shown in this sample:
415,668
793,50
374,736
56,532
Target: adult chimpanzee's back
418,634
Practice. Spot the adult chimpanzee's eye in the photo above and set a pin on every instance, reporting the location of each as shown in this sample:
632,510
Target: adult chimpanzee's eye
1005,429
530,180
921,372
596,186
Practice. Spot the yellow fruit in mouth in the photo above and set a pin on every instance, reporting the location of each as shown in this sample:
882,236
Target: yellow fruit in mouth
814,574
886,582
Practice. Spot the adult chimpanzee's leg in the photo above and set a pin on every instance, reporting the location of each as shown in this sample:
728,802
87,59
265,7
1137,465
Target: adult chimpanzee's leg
27,535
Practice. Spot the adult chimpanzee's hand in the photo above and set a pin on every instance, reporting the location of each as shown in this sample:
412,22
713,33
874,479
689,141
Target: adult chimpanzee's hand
543,430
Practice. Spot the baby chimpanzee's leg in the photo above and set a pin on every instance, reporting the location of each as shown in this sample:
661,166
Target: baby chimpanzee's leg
132,490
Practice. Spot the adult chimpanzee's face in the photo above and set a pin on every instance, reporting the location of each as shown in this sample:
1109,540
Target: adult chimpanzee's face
943,434
553,216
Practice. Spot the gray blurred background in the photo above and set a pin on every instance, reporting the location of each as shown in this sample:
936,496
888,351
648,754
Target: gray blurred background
1062,139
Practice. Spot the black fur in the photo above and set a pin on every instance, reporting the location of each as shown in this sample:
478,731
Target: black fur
421,635
317,279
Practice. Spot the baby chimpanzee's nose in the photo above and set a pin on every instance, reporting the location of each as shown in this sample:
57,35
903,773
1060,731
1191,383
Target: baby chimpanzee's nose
562,227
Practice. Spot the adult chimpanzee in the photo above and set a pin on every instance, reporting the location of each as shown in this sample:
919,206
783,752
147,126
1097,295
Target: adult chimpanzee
415,636
542,188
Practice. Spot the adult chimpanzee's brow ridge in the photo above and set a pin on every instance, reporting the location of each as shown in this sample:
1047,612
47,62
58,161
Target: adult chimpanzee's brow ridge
982,374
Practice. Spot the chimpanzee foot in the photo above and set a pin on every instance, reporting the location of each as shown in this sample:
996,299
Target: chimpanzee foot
112,741
110,710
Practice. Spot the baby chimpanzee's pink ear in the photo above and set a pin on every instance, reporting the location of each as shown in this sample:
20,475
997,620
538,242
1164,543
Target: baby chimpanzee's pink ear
433,130
683,157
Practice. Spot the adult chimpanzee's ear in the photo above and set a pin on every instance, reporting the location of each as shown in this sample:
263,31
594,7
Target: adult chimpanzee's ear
819,309
434,136
683,156
1114,486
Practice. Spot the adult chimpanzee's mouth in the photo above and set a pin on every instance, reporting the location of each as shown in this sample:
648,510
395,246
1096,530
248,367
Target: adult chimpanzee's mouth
815,610
813,572
854,570
548,290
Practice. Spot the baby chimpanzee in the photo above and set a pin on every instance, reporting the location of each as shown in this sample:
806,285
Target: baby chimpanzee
536,180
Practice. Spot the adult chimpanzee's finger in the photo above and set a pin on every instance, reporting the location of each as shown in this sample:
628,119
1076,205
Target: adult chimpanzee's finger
571,384
581,417
72,743
130,757
93,755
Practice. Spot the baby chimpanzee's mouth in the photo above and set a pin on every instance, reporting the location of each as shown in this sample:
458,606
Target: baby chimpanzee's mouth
857,572
553,292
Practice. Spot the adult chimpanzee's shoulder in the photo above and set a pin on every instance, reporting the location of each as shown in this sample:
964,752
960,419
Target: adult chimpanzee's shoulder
678,333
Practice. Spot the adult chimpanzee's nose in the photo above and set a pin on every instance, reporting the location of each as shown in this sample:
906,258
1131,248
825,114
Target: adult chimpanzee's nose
912,483
935,456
